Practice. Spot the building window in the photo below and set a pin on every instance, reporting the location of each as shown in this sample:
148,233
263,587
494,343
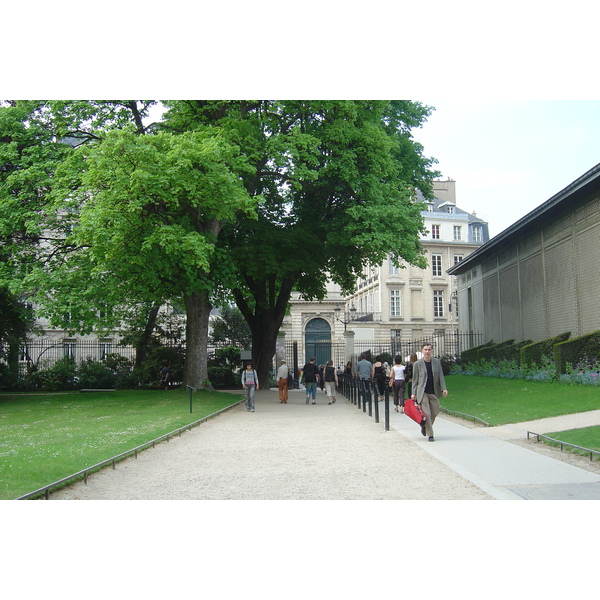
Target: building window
457,233
457,258
438,303
396,334
395,305
435,232
450,209
436,265
104,348
477,234
430,207
69,347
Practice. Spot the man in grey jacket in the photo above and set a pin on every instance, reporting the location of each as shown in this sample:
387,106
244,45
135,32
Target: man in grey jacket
427,385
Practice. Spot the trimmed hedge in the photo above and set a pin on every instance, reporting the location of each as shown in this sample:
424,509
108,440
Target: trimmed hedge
573,350
512,352
470,356
534,354
491,352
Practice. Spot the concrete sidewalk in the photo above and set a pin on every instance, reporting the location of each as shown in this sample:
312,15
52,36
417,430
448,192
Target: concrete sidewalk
489,458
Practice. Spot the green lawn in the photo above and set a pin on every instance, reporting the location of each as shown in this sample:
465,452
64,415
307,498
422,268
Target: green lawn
499,401
586,437
46,437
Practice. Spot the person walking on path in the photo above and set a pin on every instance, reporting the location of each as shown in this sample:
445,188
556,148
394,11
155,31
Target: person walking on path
249,385
379,377
364,369
164,375
331,381
427,386
311,377
283,382
397,383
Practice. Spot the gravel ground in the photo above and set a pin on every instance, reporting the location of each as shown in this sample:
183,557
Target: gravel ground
281,452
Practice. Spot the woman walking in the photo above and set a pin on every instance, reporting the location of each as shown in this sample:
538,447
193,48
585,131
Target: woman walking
397,383
331,381
378,375
249,385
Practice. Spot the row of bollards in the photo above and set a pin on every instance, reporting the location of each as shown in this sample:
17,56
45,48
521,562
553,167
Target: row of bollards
363,393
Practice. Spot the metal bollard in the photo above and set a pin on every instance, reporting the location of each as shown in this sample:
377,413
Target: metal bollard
386,402
376,401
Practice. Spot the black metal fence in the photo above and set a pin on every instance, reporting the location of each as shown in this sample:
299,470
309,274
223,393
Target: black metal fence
447,344
41,353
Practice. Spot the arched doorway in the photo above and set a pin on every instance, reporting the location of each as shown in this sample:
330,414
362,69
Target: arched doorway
317,341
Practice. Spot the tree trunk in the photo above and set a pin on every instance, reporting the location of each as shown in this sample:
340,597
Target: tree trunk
264,343
270,304
195,369
141,350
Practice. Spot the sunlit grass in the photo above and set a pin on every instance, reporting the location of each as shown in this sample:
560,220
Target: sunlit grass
46,437
499,401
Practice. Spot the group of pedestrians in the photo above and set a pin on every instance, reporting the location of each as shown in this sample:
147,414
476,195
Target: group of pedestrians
326,377
422,380
398,377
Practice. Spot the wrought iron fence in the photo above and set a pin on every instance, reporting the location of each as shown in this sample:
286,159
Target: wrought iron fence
297,354
49,350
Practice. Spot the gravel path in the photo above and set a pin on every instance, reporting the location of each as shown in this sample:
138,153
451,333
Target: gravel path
281,452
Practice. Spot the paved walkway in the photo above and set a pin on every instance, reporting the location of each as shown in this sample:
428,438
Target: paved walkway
497,460
296,451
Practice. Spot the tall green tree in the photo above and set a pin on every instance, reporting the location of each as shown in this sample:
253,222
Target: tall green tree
122,220
149,210
36,137
338,180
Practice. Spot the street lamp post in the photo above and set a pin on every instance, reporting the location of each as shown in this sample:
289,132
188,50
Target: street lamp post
348,318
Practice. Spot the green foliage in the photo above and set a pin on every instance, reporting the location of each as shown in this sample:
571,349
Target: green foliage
536,353
230,327
248,198
147,375
512,351
507,369
62,375
470,356
492,351
337,180
95,375
223,368
15,318
573,350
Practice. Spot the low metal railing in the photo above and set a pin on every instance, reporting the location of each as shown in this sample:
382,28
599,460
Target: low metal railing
560,443
464,416
113,460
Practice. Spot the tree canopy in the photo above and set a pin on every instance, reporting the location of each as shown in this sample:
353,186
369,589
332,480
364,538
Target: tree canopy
246,199
338,180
